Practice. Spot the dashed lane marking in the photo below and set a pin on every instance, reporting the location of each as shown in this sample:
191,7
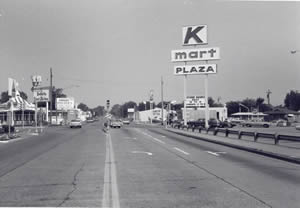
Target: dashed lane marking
215,153
148,153
180,150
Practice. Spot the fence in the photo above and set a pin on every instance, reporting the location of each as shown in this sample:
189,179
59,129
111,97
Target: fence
240,133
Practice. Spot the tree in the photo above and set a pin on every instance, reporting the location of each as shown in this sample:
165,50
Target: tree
116,110
212,103
232,107
292,100
125,106
4,96
57,93
83,107
99,110
250,103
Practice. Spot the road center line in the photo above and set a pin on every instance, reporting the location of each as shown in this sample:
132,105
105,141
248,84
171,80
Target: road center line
110,196
180,150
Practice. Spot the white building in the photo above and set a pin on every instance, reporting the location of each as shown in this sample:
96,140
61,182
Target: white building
155,115
219,113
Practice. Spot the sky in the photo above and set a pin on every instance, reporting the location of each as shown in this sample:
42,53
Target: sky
120,49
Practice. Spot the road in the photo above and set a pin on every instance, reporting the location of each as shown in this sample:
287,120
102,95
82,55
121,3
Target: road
139,166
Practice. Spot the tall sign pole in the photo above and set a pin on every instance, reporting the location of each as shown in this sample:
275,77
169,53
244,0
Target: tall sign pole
162,100
51,101
184,100
206,101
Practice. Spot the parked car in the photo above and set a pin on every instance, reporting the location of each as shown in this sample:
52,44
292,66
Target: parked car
256,124
126,122
212,123
196,124
227,124
76,123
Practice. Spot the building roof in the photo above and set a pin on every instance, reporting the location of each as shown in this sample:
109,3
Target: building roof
248,114
17,101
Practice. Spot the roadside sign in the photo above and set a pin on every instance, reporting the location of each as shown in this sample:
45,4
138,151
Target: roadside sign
65,103
195,101
197,54
195,69
194,35
41,95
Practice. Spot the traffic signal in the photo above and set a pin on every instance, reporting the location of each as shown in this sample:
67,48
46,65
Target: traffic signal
107,104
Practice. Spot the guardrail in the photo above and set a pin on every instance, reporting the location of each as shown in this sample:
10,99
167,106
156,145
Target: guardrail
240,133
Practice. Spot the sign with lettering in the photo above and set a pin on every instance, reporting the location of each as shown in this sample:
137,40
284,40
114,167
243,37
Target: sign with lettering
41,95
194,35
197,54
195,101
195,69
65,103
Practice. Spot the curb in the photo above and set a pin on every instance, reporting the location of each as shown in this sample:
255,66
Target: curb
248,149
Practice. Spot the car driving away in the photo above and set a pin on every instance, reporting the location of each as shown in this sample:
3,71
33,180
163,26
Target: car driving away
115,124
76,123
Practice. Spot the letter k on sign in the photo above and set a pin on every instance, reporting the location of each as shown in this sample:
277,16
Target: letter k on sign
193,35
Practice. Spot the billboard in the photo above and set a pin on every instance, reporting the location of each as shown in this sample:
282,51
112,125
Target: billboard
195,101
65,103
41,95
197,54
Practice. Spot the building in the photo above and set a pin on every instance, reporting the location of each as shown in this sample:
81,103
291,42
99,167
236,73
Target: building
154,115
23,111
219,113
283,113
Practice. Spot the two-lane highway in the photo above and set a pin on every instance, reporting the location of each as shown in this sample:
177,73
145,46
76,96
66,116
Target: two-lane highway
139,166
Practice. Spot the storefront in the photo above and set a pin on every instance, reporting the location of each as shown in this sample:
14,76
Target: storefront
23,111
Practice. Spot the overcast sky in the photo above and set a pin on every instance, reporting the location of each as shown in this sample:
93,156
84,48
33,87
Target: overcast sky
119,49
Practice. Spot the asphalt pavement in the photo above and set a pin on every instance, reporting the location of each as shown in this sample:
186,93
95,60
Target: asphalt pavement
139,166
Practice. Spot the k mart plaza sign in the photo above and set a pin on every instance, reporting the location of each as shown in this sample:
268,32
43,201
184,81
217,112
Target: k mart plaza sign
195,69
197,54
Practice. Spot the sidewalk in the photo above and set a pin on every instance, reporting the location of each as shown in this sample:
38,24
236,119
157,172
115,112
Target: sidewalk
290,154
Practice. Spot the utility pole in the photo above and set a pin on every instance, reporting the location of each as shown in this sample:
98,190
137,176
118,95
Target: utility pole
162,101
268,96
51,101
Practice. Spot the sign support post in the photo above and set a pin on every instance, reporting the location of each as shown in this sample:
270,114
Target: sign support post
206,101
23,108
35,117
184,102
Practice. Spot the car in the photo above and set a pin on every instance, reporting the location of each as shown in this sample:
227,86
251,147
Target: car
115,124
195,124
76,123
227,124
127,122
255,124
89,120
